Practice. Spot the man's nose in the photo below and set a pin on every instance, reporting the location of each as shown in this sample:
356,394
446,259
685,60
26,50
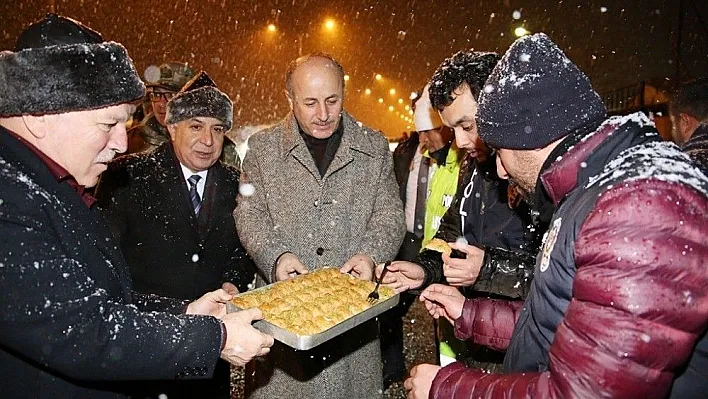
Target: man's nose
206,138
119,139
501,170
322,113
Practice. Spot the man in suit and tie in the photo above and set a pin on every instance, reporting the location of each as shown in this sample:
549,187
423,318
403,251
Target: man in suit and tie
171,212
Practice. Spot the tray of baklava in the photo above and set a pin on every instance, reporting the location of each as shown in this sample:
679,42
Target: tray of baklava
312,308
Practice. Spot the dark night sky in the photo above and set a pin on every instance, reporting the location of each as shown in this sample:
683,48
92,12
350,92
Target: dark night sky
617,43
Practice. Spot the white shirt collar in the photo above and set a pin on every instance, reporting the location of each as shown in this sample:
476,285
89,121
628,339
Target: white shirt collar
202,182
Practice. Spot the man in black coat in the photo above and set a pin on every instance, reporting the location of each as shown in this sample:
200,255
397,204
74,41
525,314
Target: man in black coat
180,239
70,326
689,120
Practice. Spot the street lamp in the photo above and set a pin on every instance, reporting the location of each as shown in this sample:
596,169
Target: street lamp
329,24
367,91
378,76
272,28
521,31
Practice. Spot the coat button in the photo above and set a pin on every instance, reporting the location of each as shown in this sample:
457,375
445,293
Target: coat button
317,203
320,251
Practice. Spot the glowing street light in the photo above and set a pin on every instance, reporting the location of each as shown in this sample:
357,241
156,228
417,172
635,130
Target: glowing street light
272,28
400,101
392,92
346,78
329,24
521,31
380,100
378,76
407,107
367,91
390,108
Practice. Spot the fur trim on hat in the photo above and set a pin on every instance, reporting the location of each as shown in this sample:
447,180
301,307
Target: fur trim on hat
67,78
205,101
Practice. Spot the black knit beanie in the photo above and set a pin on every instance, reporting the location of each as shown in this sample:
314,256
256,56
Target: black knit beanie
200,97
534,96
60,65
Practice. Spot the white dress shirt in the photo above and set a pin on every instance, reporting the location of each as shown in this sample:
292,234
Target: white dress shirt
200,184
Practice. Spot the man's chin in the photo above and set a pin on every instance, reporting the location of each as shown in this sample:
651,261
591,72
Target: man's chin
322,133
527,193
88,181
160,118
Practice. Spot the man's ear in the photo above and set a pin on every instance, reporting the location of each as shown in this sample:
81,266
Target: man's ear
36,125
291,100
173,131
687,124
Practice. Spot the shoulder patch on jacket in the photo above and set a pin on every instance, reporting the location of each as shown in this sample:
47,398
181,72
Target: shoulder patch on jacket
549,241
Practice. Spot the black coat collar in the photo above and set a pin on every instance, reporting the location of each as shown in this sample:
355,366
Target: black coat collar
70,204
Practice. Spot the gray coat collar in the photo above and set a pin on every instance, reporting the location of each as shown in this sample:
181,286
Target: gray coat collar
353,137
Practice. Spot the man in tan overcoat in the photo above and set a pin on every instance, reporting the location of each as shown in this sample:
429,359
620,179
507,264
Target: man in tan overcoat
318,190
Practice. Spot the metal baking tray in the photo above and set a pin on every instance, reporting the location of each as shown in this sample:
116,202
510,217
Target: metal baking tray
305,342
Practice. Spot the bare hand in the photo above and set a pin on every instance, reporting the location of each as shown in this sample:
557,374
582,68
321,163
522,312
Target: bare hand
211,304
402,276
463,272
443,300
243,342
230,288
360,266
289,266
421,379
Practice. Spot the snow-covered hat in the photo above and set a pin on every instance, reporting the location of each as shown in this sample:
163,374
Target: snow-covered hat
60,65
200,97
534,96
425,116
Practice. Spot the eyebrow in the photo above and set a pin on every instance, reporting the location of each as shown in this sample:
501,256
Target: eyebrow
331,96
197,119
463,119
114,117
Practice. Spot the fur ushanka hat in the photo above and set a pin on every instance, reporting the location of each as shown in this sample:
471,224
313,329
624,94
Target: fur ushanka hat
60,65
200,97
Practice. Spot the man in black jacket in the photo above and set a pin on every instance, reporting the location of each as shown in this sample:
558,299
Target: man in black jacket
689,120
493,237
69,326
170,211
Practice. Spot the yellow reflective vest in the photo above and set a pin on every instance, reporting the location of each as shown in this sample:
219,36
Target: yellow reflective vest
441,191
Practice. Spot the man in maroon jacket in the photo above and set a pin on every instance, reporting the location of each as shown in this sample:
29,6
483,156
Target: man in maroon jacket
618,306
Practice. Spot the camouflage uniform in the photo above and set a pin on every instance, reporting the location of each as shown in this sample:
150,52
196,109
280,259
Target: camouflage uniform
149,134
229,155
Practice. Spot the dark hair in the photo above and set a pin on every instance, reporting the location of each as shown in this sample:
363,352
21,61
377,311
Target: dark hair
299,61
692,99
467,66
